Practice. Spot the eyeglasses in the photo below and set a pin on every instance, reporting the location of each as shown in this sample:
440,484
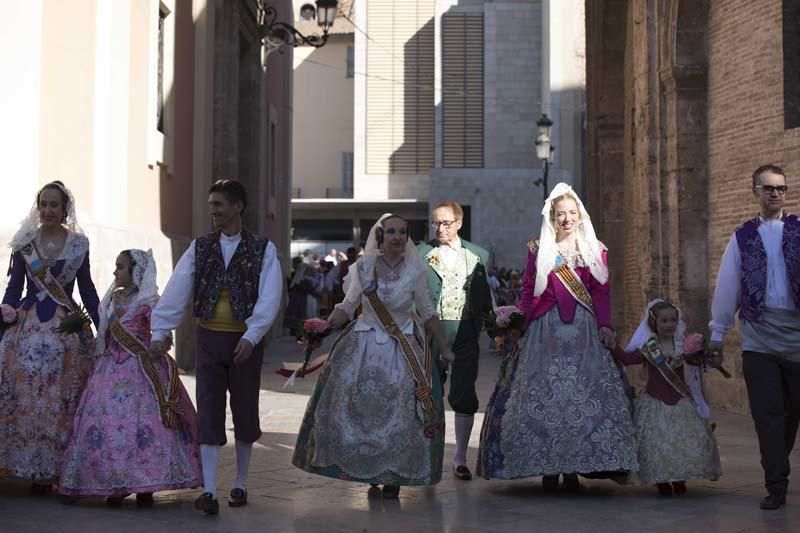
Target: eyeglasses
445,223
769,189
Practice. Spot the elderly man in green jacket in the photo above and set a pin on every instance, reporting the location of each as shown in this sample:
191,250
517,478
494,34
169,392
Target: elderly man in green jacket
459,287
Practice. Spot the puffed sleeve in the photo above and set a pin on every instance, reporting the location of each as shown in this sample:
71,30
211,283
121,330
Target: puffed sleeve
87,289
422,300
16,281
627,358
353,297
601,299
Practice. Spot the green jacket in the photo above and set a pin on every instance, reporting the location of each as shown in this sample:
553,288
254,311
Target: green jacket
479,295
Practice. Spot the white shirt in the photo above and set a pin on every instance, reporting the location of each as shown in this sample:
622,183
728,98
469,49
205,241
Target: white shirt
332,259
450,252
178,292
728,292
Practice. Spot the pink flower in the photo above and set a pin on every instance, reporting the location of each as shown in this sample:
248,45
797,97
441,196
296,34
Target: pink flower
9,313
504,314
316,325
693,343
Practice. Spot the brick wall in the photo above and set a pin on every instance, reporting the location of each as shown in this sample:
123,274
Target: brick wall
746,130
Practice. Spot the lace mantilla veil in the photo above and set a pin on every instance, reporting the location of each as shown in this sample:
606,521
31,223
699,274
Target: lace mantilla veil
29,226
144,277
412,257
692,375
591,249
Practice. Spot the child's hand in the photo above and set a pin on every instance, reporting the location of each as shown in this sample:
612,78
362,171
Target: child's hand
9,313
608,337
157,349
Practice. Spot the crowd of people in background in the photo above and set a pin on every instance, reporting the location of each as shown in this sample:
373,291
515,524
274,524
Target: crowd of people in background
316,284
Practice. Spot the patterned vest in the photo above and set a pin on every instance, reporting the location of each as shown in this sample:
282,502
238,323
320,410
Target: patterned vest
753,257
241,277
453,297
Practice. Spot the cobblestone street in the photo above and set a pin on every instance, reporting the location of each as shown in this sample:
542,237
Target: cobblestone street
285,499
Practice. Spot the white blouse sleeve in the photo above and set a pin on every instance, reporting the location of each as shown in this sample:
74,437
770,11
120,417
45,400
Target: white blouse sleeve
422,300
727,293
353,297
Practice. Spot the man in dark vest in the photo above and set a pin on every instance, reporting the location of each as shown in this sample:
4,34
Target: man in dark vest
235,282
459,288
760,276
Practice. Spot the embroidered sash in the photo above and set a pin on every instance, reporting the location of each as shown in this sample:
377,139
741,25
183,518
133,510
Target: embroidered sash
422,377
574,286
44,279
169,405
651,351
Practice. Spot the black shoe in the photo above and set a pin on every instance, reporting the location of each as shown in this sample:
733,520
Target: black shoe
238,498
664,489
571,483
679,488
462,472
144,499
41,489
550,483
773,501
391,492
207,503
116,500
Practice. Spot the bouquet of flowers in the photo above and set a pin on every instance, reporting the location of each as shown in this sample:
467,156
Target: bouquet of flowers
312,332
75,322
694,352
505,324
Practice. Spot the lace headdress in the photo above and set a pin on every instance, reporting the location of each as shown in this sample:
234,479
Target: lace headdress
143,275
372,250
30,225
591,249
691,374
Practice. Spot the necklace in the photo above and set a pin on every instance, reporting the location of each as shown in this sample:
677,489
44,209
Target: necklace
392,274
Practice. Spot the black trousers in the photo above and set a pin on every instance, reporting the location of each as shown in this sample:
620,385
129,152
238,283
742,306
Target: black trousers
463,340
773,387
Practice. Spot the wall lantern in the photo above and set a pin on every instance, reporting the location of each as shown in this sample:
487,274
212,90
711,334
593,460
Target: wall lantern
276,34
544,148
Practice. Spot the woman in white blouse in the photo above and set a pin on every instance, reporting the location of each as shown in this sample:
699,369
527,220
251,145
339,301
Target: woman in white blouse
376,415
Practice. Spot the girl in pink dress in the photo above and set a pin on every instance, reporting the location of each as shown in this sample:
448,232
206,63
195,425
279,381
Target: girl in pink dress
135,430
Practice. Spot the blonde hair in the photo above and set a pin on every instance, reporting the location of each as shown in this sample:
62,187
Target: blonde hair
454,207
565,196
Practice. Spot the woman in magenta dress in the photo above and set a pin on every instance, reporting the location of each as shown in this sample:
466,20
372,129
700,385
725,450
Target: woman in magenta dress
560,405
135,430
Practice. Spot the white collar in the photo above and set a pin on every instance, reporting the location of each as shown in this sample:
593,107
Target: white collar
454,245
772,220
229,238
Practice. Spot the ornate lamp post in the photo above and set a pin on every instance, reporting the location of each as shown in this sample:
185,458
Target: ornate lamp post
276,34
544,149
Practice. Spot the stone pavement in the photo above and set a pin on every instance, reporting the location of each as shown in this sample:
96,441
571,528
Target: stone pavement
285,499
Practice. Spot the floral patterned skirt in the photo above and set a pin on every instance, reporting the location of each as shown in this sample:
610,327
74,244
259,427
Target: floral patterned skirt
363,422
559,406
43,375
119,444
675,443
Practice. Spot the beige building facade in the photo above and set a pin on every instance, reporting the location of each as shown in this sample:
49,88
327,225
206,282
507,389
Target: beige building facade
137,106
446,98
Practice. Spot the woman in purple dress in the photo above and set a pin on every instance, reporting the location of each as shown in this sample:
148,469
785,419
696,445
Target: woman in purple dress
44,367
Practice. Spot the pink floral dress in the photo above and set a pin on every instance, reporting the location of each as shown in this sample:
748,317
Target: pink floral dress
119,444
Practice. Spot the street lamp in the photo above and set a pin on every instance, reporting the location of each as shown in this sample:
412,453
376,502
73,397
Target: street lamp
544,148
276,34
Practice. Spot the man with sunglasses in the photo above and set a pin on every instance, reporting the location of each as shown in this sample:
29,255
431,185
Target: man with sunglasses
459,288
760,277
